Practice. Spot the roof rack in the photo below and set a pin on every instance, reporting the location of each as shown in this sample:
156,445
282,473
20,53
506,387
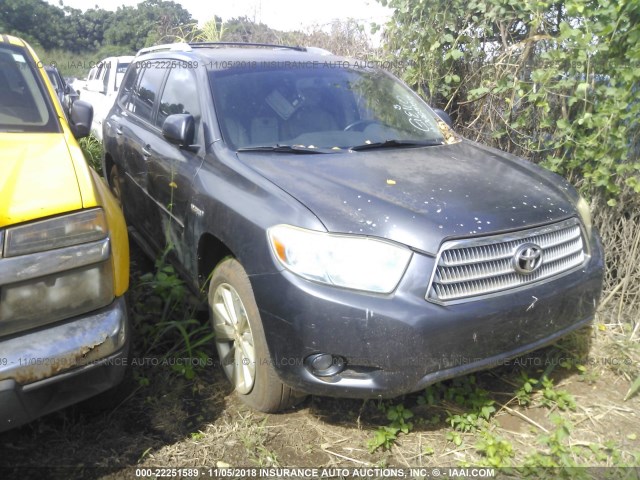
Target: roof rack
176,47
243,44
319,51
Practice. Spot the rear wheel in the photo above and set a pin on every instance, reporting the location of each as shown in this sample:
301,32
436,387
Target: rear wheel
240,341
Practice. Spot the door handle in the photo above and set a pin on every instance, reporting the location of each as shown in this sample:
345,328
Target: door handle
146,151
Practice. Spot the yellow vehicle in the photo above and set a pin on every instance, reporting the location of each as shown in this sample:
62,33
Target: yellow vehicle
64,252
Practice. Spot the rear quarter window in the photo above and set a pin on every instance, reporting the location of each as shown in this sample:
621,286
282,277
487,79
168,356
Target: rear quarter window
141,98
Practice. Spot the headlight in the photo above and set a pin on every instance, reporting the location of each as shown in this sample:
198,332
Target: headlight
54,269
356,262
61,295
585,215
57,232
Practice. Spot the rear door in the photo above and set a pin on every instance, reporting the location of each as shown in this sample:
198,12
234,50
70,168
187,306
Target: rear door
134,124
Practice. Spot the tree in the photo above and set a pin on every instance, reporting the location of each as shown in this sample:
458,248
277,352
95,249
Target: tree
32,19
554,81
145,24
242,29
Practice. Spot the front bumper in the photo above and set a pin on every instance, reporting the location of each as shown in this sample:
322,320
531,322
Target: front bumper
51,368
400,343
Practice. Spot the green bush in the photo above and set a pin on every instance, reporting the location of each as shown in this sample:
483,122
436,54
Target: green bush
556,82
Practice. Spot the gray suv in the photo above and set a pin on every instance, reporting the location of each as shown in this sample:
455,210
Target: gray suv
352,244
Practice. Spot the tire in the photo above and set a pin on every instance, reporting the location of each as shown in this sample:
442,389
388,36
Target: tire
240,341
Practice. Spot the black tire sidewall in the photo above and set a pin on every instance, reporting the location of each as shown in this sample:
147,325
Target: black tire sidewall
268,394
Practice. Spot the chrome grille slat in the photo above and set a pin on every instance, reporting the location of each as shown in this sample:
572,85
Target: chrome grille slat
484,253
463,273
477,267
559,251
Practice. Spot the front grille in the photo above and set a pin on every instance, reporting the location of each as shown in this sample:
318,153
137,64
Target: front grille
470,268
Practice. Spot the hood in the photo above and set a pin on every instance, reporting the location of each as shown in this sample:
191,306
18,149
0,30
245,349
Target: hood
420,196
37,177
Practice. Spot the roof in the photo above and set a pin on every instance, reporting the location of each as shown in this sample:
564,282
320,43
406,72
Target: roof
225,55
12,40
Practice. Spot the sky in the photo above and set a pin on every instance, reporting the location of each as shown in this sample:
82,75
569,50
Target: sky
278,14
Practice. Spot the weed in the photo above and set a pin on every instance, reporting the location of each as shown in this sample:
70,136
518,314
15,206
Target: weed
167,324
635,387
472,409
558,453
92,150
143,380
553,397
523,394
165,283
254,439
624,360
588,375
454,437
549,397
386,436
496,451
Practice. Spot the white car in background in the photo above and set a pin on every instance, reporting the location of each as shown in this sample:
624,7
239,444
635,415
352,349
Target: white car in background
77,84
101,88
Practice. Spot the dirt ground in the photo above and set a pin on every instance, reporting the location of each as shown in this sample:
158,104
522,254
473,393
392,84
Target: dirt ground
162,418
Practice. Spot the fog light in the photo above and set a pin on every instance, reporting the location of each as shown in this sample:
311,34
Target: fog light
324,364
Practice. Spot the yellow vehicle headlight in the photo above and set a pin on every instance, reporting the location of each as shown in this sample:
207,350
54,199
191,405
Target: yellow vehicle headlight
58,232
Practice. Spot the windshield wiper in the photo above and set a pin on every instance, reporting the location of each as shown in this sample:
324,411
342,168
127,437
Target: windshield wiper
281,149
396,143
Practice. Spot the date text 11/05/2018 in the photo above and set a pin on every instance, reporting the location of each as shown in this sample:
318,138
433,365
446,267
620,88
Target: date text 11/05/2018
252,472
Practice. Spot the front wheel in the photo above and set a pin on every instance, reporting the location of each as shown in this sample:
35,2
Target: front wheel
240,340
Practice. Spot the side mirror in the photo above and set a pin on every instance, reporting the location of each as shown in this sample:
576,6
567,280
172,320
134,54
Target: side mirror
179,129
80,118
444,116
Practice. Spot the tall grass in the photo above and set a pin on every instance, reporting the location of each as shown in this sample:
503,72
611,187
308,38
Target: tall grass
92,149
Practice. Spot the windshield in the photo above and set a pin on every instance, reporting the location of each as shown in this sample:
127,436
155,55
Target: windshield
324,107
23,106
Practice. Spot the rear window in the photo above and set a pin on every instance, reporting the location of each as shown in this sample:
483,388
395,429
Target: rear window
24,105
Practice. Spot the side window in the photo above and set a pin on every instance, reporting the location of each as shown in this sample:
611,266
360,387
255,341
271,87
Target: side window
146,92
98,72
124,97
105,77
180,95
121,69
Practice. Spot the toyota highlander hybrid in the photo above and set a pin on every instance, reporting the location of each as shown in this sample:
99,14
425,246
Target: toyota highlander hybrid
64,253
351,243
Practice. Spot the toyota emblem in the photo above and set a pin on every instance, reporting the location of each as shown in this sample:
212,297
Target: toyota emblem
527,259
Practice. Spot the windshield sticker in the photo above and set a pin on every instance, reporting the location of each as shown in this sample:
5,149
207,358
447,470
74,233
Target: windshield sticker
416,118
282,106
19,58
